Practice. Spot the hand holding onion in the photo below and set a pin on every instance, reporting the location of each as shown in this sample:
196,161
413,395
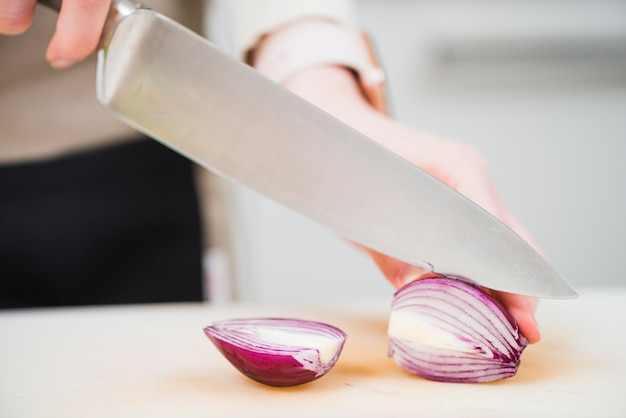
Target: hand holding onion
334,90
448,329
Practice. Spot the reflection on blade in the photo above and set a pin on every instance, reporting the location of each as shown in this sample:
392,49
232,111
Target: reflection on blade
177,87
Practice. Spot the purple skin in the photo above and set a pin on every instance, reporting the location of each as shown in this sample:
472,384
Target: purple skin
269,369
449,366
274,366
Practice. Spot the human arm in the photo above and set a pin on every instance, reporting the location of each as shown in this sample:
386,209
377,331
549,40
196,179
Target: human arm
335,89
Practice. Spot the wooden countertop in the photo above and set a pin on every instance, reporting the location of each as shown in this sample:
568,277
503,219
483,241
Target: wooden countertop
154,361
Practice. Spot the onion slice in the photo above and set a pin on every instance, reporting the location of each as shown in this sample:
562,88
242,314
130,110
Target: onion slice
278,351
448,329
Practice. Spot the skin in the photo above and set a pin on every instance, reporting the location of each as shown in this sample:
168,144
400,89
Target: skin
335,90
77,32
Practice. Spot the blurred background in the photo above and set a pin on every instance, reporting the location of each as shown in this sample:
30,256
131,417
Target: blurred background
538,86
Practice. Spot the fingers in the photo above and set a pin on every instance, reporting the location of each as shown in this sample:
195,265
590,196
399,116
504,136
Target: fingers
78,28
481,190
16,16
78,31
397,272
522,309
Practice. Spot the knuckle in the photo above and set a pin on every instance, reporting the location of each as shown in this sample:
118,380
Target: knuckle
80,46
470,157
93,6
82,27
87,6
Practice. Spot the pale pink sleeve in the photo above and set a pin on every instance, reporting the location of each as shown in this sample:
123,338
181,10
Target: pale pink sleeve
245,21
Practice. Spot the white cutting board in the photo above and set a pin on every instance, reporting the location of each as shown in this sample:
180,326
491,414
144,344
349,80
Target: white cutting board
154,361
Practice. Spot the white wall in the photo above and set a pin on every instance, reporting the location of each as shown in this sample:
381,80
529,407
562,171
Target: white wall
538,86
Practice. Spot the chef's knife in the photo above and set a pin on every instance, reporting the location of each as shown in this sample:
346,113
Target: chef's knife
177,87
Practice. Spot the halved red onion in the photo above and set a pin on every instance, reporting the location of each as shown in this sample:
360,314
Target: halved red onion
278,351
448,329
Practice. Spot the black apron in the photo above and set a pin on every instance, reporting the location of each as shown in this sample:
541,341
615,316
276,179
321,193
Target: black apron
115,225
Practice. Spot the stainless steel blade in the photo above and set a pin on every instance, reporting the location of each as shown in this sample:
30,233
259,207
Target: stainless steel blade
180,89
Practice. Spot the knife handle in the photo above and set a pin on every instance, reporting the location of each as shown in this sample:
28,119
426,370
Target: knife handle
119,9
52,4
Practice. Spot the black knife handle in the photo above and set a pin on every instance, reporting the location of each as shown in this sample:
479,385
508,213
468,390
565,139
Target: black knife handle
52,4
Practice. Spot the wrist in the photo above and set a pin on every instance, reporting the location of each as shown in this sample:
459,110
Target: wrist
317,48
333,88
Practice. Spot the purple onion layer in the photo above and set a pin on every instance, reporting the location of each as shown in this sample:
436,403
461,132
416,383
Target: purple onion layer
448,329
278,351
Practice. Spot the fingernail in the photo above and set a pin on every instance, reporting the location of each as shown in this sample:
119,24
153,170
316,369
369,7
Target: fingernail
538,336
61,63
406,280
414,273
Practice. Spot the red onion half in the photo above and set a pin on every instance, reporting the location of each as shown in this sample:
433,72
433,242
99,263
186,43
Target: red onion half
448,329
276,351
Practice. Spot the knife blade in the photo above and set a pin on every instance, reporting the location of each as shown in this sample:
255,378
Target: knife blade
178,88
